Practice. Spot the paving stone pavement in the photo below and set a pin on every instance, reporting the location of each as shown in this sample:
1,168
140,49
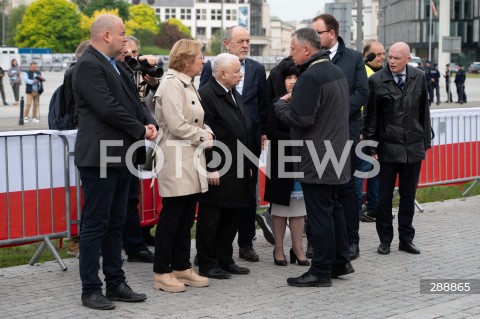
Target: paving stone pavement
382,286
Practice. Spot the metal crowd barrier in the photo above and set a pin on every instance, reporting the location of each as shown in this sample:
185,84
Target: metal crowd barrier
34,190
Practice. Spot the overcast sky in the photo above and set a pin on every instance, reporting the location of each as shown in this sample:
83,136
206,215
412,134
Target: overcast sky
288,10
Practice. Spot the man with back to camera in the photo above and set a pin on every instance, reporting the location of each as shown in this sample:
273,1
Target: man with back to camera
317,112
398,118
110,120
352,64
252,89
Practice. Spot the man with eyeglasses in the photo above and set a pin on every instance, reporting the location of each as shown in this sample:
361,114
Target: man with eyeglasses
352,64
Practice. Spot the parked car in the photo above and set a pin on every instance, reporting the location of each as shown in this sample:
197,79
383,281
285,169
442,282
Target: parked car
414,61
474,67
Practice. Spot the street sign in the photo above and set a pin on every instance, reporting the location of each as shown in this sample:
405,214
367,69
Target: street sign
452,44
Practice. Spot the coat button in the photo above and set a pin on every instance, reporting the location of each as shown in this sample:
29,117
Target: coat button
196,121
193,102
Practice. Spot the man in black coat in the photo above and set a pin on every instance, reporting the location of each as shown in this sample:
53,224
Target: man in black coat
398,118
317,112
229,183
352,64
111,119
252,89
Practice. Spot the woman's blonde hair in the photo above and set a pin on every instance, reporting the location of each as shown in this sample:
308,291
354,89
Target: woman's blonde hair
183,51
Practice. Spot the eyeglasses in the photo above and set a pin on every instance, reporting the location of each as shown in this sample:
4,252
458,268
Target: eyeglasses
134,51
320,32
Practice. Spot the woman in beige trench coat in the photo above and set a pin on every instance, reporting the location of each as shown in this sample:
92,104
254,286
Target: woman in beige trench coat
180,178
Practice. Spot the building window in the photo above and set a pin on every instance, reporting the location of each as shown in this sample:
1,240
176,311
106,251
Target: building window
201,31
170,13
185,14
231,14
157,10
216,14
201,14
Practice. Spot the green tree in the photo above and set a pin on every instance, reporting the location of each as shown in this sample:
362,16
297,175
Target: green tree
82,4
217,43
98,5
169,34
50,24
181,27
11,23
142,23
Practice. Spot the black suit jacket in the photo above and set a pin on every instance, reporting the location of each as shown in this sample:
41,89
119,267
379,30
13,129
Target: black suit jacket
253,95
109,110
231,125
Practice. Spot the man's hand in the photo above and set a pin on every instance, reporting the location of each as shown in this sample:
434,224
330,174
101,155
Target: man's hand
150,132
151,81
151,59
213,178
287,97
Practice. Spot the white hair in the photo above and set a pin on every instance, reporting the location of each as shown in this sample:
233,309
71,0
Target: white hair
221,61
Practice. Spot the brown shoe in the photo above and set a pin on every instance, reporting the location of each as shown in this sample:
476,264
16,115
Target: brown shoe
167,282
190,278
73,247
248,253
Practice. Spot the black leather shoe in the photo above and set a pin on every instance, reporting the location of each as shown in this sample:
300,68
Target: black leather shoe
309,280
216,273
354,251
383,249
236,269
97,301
145,256
409,248
342,270
123,292
309,252
248,253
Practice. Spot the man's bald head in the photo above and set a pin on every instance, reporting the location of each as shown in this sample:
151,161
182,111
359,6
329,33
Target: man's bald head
398,57
107,35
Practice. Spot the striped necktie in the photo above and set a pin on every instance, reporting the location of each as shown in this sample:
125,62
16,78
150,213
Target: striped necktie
400,81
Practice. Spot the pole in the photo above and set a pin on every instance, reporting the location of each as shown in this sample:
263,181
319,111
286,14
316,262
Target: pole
430,32
222,33
359,25
3,23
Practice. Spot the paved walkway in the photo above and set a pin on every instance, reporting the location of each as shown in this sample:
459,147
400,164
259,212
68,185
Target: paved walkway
382,286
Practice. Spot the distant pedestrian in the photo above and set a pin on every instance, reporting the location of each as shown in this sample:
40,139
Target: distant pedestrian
34,87
460,83
447,76
2,91
15,80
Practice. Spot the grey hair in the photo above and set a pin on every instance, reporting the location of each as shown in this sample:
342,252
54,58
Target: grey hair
229,31
308,35
134,40
221,61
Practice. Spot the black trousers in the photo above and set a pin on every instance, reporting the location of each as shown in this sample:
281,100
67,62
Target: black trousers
246,220
462,97
347,196
132,231
408,175
327,227
103,217
449,93
172,236
216,230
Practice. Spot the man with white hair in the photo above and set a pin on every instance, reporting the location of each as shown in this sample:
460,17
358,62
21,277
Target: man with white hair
229,184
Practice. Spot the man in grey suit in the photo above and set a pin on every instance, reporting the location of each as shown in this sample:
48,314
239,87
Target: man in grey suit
111,119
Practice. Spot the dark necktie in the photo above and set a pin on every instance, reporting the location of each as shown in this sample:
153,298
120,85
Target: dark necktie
400,81
231,95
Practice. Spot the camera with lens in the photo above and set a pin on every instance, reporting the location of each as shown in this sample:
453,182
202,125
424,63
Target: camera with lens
144,67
